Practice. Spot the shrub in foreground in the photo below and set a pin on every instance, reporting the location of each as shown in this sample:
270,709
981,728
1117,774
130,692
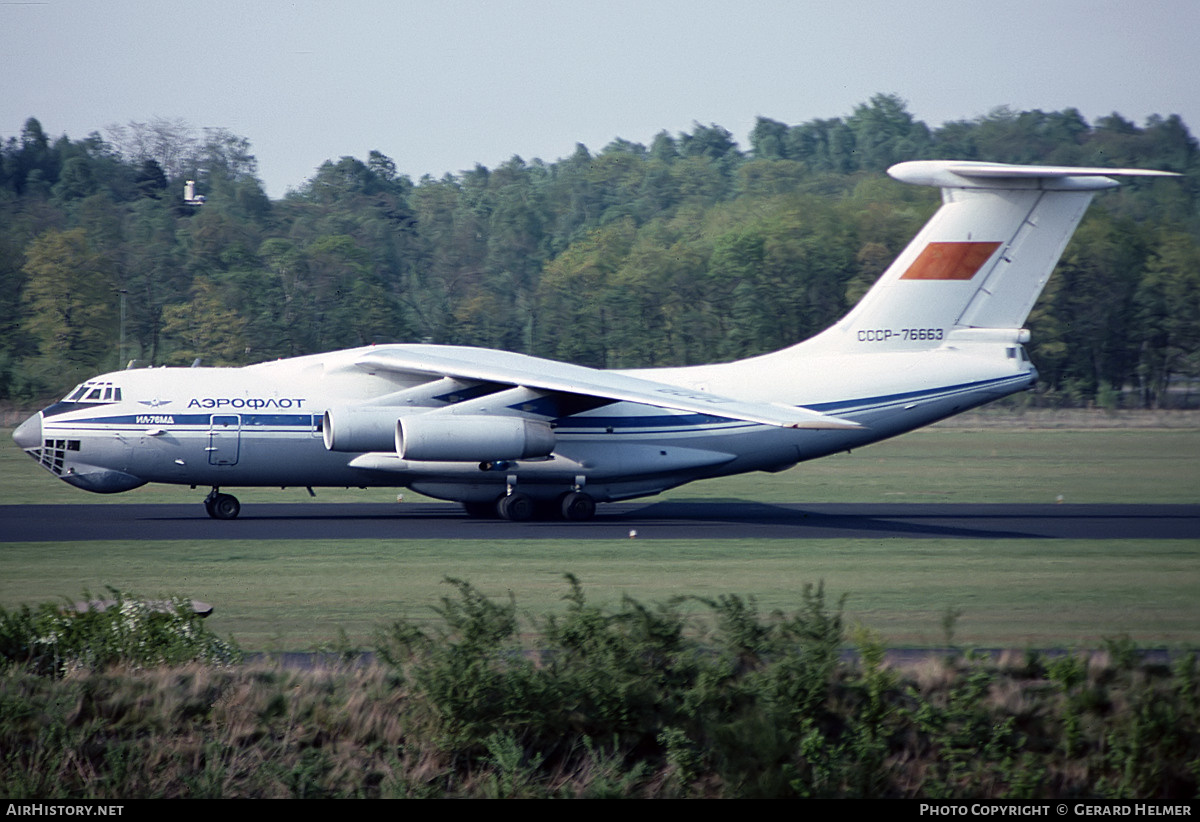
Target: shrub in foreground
632,680
54,638
695,697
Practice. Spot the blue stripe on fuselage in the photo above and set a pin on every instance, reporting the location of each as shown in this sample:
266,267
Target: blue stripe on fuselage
293,420
579,424
874,403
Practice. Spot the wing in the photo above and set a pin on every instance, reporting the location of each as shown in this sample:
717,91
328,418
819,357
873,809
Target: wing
507,368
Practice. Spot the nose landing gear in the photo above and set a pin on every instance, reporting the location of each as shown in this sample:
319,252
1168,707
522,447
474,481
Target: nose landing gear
222,506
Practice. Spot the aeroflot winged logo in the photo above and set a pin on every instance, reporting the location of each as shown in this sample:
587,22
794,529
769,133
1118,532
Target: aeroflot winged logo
950,261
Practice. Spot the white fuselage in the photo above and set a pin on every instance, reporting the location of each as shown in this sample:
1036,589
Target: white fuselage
261,425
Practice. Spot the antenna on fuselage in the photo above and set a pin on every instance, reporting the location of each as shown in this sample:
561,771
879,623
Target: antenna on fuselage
196,363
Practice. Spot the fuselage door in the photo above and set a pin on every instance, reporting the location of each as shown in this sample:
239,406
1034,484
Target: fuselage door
224,439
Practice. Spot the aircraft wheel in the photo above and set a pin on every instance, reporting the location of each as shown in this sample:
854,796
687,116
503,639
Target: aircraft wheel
577,507
515,507
481,510
223,506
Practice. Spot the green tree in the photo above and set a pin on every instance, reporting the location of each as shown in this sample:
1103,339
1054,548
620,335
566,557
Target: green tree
885,133
573,300
659,305
736,271
150,179
1168,315
768,140
1100,271
70,297
75,181
205,328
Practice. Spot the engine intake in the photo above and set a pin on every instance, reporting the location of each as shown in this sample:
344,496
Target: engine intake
360,429
471,438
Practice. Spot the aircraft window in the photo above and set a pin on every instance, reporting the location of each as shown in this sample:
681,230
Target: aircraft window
1011,353
94,392
72,445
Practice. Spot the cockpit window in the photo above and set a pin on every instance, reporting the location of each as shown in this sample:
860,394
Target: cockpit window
94,392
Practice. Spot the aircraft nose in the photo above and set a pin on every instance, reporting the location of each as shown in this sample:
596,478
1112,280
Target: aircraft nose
29,433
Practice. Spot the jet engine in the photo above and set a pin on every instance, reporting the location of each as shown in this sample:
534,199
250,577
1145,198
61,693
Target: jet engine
360,429
472,438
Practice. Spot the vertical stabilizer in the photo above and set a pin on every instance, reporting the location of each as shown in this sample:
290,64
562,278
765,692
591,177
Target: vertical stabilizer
981,261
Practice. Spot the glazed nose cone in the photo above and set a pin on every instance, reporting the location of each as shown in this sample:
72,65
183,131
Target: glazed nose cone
29,433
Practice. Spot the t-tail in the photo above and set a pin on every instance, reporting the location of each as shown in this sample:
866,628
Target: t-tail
977,267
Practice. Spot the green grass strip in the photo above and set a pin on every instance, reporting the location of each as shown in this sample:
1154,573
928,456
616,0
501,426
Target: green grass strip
301,595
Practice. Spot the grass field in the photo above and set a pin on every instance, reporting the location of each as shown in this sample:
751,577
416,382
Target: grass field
303,595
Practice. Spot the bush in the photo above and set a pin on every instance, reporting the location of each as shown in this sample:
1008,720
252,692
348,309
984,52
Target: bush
55,638
632,677
633,700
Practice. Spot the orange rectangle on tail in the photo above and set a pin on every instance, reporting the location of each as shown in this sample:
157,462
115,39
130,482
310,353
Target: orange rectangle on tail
950,261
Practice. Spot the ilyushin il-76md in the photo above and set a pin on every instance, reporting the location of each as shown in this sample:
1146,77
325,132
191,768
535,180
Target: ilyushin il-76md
511,436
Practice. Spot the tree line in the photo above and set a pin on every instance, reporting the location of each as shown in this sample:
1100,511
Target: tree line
689,249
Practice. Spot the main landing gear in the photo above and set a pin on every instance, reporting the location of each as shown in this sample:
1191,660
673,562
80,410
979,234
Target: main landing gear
577,506
516,507
574,506
222,506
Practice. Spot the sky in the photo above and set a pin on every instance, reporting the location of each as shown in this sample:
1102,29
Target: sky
441,85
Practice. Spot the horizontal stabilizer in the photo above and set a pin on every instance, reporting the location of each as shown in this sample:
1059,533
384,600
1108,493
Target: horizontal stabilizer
962,174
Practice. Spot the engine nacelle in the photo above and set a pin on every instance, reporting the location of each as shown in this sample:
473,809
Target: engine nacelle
360,429
471,438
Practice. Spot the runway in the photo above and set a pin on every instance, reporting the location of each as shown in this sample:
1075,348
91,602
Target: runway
683,520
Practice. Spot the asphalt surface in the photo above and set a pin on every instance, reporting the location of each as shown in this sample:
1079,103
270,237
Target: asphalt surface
651,520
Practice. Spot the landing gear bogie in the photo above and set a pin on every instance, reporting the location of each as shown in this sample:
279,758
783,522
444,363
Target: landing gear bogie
573,506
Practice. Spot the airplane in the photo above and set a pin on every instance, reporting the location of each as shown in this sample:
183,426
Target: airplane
512,436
